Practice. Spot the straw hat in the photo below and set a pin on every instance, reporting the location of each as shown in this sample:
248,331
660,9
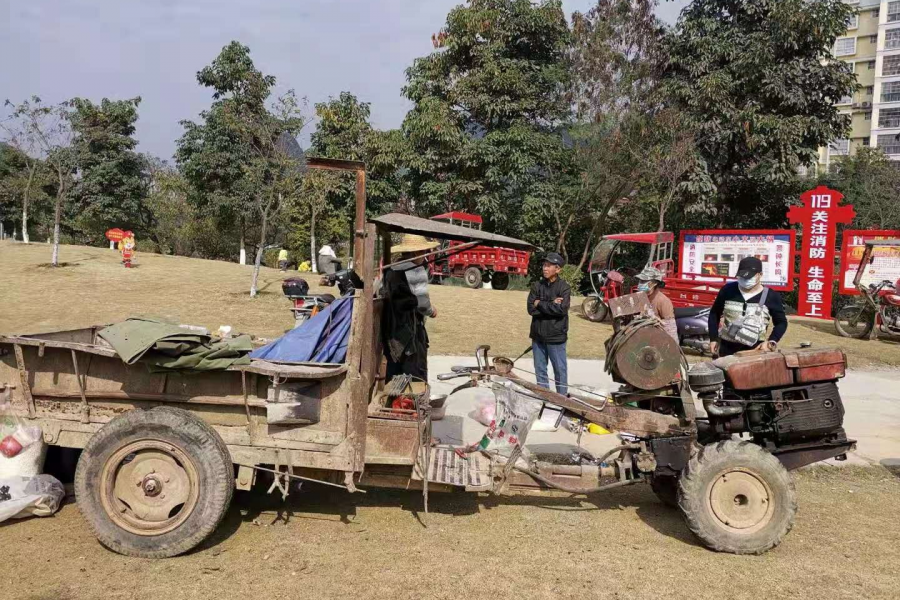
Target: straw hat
414,243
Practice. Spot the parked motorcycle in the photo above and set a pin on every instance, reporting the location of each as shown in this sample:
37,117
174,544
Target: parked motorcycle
879,309
304,305
693,328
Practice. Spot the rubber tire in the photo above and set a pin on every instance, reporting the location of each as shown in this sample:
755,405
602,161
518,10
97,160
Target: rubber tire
857,335
196,439
707,465
473,278
594,310
500,281
666,489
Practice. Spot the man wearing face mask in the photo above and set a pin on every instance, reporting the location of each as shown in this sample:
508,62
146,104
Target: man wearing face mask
652,280
746,308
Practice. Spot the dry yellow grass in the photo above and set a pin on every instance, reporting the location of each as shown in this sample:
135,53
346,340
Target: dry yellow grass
94,288
622,544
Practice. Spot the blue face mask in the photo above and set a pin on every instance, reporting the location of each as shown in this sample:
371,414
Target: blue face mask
644,286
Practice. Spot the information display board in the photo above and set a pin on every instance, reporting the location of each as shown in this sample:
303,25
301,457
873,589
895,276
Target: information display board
714,254
885,266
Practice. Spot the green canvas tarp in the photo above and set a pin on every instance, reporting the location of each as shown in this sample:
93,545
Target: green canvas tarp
164,346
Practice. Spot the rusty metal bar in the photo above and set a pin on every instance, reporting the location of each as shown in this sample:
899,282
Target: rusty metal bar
614,417
451,252
85,407
359,227
23,377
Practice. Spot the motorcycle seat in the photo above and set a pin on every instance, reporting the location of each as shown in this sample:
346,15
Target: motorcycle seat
689,311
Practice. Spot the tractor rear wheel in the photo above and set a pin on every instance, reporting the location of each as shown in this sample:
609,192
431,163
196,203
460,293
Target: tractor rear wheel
500,281
473,278
737,498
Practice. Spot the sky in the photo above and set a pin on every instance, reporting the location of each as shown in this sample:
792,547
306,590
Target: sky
60,49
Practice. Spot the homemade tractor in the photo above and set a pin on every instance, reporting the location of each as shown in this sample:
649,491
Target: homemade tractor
163,451
476,264
727,471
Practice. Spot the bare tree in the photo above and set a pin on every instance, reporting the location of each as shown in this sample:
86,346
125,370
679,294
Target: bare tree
47,130
275,169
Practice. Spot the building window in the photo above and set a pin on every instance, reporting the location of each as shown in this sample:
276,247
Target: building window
868,116
891,65
853,21
873,39
871,64
889,143
839,147
875,13
870,90
845,46
845,100
893,12
889,117
890,91
865,141
891,39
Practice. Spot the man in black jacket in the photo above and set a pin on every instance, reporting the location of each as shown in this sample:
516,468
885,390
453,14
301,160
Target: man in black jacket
746,308
548,305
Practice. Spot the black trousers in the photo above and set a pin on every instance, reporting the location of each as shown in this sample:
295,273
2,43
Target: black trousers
413,363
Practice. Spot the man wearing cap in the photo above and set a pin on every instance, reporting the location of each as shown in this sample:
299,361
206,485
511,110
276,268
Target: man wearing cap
651,280
548,305
746,308
405,289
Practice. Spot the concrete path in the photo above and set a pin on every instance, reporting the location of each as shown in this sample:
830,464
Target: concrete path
871,400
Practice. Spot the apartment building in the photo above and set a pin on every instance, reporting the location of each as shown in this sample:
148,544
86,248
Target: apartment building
872,46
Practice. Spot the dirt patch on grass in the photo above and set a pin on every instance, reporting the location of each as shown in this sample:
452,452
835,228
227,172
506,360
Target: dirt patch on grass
624,544
214,293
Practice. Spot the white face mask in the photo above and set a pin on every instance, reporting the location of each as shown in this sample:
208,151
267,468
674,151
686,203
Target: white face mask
750,283
644,286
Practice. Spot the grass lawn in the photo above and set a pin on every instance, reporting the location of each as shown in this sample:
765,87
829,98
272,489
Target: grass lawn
94,288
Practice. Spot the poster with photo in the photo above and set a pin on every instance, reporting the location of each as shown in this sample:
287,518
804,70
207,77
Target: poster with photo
885,266
711,255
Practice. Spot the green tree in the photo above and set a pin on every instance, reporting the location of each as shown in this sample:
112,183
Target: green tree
174,222
210,154
759,83
870,182
619,140
343,131
487,104
47,129
111,186
24,184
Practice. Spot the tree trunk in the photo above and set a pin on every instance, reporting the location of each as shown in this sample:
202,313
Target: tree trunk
312,242
32,169
56,216
243,255
662,219
259,254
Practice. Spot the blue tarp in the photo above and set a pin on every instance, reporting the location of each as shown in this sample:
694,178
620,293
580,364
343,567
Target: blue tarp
323,338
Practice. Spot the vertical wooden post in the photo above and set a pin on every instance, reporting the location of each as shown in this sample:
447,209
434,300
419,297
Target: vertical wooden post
23,377
359,228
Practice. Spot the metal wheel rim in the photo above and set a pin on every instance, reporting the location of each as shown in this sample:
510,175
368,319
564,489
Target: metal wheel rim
165,486
740,501
591,304
470,278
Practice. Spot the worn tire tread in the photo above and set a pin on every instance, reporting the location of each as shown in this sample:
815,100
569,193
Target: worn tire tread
209,452
695,477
